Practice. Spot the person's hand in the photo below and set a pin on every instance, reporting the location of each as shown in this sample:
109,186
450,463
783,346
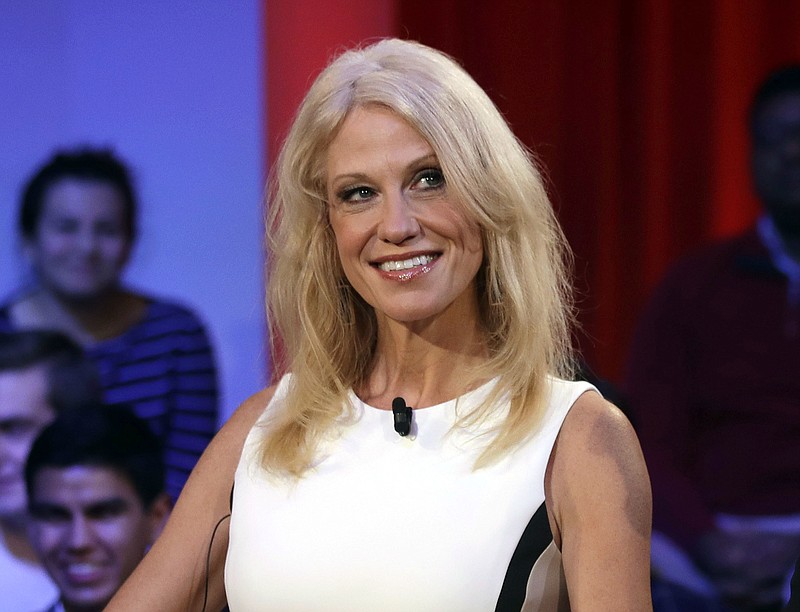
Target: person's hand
747,567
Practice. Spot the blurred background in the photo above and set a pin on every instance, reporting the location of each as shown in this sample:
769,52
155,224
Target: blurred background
176,89
635,108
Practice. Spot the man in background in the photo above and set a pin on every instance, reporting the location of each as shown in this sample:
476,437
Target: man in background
95,483
41,373
714,386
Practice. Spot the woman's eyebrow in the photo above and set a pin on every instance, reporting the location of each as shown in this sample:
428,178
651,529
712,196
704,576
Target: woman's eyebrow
428,158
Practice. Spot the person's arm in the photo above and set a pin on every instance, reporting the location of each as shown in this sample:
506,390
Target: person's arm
599,503
172,575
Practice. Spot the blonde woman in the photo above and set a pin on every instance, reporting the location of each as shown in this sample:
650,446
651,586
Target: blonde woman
416,262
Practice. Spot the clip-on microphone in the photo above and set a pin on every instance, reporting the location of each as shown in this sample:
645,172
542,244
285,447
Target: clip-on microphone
402,416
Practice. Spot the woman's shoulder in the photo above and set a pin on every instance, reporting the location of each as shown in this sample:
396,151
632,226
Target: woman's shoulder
593,418
247,414
256,405
600,504
226,447
597,456
562,396
568,390
595,429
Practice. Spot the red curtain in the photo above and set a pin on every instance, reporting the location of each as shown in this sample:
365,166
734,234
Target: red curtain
300,37
635,108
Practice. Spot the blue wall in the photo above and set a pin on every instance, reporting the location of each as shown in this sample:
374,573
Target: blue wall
175,88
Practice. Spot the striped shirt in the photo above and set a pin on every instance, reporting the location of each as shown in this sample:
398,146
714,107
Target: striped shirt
163,366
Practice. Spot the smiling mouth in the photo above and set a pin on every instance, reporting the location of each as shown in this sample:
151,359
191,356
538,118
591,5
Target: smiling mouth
83,572
406,264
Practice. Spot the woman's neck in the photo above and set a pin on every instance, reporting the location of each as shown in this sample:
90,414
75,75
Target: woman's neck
424,366
87,321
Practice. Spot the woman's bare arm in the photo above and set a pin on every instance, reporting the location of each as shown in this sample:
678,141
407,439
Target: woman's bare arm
600,507
172,575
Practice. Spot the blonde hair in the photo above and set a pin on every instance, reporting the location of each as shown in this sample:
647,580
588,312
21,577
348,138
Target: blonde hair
328,330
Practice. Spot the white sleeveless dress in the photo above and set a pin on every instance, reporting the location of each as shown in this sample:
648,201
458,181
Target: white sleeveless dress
385,523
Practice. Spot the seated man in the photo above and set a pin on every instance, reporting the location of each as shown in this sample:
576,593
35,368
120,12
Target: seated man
41,372
714,385
95,483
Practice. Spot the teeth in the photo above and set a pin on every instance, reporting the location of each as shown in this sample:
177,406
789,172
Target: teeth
406,264
81,568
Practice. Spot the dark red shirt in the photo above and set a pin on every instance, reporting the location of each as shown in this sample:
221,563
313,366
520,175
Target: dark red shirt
714,389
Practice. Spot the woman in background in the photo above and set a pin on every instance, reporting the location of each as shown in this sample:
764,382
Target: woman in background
415,261
77,222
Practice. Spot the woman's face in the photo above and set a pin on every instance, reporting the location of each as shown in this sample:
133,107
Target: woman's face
81,241
405,245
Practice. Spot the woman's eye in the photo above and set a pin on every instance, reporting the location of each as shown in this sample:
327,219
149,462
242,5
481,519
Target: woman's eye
356,194
431,178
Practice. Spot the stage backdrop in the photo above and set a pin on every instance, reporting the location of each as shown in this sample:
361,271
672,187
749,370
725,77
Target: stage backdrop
635,108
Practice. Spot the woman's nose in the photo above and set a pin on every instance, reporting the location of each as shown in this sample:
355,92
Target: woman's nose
87,241
398,221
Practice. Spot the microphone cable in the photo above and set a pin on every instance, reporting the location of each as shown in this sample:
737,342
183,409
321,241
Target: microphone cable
208,558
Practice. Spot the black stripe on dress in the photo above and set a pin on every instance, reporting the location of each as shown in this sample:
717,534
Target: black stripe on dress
535,539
